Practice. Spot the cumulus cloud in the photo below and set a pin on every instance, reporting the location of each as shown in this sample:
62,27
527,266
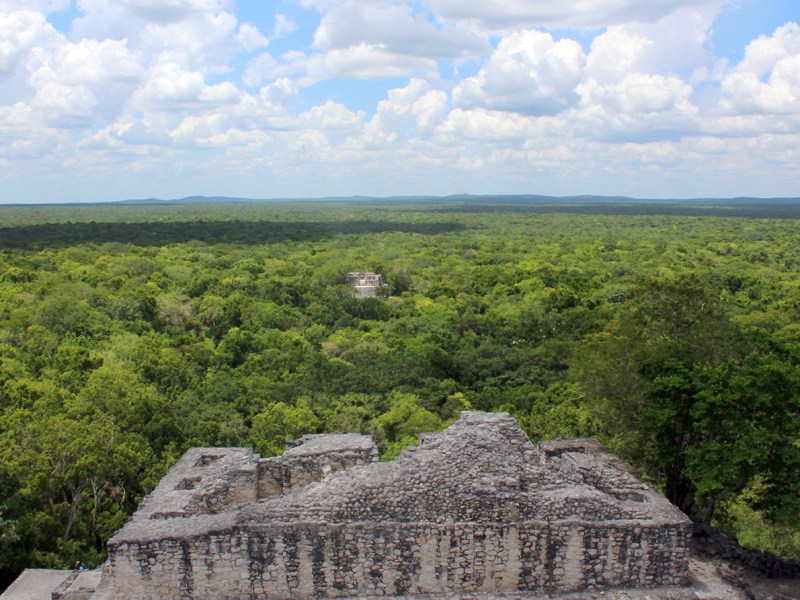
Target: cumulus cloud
198,33
679,41
482,125
64,106
762,54
407,112
20,32
250,37
172,88
283,26
767,81
261,69
640,108
171,10
515,14
529,73
354,62
639,93
23,134
377,39
616,53
146,83
205,42
97,62
332,115
127,136
395,30
43,6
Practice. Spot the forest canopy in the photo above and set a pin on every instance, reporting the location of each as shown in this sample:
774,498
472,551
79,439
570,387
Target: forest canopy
130,333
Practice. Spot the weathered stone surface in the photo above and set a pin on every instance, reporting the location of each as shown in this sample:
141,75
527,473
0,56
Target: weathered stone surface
312,457
366,285
35,584
81,585
476,509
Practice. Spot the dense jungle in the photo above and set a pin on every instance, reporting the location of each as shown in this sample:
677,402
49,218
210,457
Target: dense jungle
131,332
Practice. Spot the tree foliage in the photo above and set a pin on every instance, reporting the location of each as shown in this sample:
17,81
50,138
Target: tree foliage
130,333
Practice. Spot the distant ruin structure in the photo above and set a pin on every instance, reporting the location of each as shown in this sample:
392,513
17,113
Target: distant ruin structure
366,285
475,511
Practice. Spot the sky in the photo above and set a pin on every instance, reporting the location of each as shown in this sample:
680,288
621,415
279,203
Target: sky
115,99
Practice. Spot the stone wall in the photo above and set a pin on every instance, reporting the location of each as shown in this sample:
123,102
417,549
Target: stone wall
310,458
316,560
214,480
203,481
475,509
366,285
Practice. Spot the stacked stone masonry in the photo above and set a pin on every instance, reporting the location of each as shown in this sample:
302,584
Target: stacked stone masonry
476,509
366,285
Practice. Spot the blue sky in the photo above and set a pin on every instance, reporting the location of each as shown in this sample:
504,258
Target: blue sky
113,99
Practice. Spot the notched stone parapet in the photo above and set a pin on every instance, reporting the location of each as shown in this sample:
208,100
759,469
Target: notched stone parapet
203,481
312,457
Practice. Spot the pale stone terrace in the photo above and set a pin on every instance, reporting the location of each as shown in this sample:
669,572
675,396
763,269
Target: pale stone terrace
366,285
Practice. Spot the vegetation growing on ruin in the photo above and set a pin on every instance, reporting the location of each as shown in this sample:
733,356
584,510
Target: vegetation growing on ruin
130,333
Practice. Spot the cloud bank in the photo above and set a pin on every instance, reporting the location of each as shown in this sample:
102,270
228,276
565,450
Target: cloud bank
106,99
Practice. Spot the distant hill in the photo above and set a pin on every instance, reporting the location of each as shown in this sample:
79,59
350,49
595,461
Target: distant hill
480,198
461,199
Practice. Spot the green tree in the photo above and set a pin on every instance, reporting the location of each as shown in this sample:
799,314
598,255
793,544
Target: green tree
634,374
404,421
280,423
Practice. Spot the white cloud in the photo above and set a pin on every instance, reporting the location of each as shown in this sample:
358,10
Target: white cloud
23,136
641,108
250,37
394,29
529,73
169,87
66,85
127,135
616,53
200,34
283,26
171,10
332,115
64,106
767,81
487,126
516,14
375,40
279,91
200,130
406,113
43,6
141,85
205,42
678,41
97,62
763,53
354,62
639,93
260,69
20,32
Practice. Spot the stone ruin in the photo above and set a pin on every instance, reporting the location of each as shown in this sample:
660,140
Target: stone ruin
366,285
474,511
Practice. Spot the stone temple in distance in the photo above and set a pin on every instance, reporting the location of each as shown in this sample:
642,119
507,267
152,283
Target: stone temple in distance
476,511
